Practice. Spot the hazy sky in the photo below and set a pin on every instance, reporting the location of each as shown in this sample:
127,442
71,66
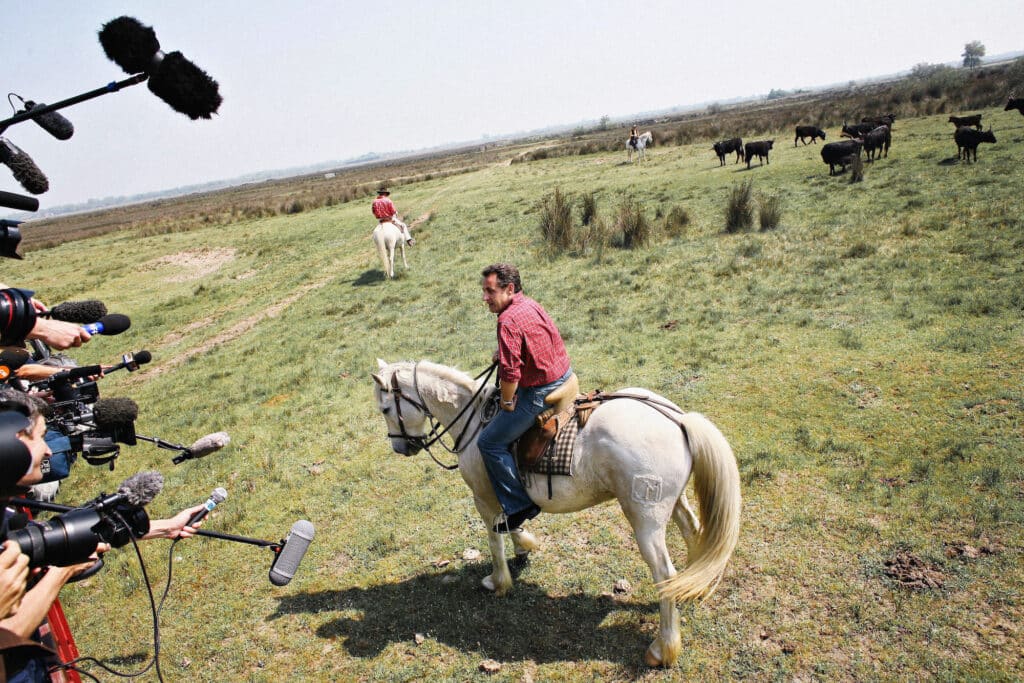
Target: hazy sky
311,81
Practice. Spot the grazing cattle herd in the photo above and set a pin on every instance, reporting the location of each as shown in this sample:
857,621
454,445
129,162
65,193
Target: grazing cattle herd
873,135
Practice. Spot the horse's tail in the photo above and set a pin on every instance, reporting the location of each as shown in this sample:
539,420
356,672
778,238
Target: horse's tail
717,486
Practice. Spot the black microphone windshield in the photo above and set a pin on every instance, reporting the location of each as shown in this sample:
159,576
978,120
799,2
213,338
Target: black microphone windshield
186,87
53,123
140,489
143,357
173,78
109,413
129,44
295,545
79,312
114,323
23,168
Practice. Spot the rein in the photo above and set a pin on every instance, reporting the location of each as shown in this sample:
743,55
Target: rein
425,441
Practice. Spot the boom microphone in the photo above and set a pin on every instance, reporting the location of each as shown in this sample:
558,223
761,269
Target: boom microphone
79,312
112,323
204,446
137,490
218,496
53,123
295,545
23,168
174,79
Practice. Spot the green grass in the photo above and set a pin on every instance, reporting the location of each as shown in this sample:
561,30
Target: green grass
863,358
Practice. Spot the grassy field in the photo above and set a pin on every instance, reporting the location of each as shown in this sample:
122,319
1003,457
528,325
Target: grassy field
864,359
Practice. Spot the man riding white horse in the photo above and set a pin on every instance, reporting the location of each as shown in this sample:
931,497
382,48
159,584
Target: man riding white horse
532,362
383,208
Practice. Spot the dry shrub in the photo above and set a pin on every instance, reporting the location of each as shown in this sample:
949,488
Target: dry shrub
556,222
677,221
771,211
739,211
632,225
588,208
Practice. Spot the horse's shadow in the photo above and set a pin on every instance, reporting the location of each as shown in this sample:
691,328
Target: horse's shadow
369,277
453,609
949,161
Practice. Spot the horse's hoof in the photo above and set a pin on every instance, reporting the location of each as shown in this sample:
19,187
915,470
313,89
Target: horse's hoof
488,583
650,659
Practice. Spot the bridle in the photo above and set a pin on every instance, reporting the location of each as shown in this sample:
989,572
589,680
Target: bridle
423,442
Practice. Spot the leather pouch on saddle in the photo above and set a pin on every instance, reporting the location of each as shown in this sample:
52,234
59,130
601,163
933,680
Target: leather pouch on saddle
532,445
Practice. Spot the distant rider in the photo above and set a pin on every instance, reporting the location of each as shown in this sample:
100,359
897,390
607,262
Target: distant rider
634,135
383,208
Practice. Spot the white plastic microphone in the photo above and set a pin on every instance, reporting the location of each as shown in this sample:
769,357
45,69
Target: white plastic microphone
218,496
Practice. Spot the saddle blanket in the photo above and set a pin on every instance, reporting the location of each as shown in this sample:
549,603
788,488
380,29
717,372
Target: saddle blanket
557,457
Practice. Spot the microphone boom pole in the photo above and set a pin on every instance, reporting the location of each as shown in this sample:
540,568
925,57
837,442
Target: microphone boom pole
113,86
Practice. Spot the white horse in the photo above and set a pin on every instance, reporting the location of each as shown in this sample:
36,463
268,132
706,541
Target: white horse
629,450
641,143
385,236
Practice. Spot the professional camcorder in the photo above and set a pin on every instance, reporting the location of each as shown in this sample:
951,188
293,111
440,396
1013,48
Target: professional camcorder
71,537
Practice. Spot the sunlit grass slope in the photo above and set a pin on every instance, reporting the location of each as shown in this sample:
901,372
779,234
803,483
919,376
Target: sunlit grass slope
864,359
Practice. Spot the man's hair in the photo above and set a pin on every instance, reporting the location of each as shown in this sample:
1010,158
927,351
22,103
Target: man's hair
30,406
506,274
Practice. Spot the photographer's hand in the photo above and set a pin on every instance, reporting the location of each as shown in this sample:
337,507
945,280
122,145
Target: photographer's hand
13,574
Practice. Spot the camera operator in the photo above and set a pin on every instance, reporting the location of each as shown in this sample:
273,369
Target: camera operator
30,664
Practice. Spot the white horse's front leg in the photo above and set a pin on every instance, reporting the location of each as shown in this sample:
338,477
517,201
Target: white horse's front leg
500,579
524,543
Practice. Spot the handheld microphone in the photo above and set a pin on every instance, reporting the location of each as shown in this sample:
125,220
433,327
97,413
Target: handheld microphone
18,202
131,362
137,490
292,551
23,168
174,79
218,496
12,358
79,312
112,323
203,446
53,123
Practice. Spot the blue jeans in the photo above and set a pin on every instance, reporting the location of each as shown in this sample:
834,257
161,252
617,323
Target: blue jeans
505,428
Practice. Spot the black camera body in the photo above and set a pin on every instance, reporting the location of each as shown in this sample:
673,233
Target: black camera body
70,538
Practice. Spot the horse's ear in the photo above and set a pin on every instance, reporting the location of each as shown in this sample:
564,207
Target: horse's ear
379,381
381,364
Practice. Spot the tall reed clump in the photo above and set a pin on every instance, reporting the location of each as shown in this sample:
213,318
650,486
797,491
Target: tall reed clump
739,211
676,221
632,225
770,214
556,222
856,168
588,209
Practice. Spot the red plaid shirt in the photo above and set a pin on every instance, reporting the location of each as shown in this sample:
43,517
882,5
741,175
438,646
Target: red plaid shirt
383,207
530,349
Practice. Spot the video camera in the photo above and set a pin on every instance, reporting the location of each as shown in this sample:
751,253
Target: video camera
71,537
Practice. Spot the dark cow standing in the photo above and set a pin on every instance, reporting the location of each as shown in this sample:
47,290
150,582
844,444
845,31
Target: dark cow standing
1015,103
877,140
858,130
876,121
972,120
840,153
968,139
758,149
812,132
723,147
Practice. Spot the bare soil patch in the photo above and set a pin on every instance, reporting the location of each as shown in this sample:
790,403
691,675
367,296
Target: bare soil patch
192,265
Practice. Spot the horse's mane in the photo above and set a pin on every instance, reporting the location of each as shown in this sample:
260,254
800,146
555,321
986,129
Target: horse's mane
449,378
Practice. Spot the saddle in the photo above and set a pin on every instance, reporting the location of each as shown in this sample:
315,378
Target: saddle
529,448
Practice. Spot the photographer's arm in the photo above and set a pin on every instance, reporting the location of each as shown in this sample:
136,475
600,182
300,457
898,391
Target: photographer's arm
13,574
58,334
